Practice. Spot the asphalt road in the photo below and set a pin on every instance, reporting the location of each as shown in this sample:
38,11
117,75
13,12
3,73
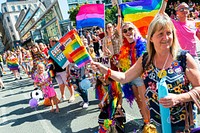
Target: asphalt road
16,116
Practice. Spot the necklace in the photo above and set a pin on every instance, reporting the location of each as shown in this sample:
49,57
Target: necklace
162,73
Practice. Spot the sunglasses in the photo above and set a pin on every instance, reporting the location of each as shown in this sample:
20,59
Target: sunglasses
126,30
183,9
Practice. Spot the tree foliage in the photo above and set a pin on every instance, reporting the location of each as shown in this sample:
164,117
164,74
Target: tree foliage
111,15
73,12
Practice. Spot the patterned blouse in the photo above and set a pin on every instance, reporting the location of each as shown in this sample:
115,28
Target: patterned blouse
176,82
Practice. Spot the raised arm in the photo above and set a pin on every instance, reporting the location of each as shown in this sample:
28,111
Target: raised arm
163,7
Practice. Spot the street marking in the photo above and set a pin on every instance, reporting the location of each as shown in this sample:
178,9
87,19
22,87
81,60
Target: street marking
3,110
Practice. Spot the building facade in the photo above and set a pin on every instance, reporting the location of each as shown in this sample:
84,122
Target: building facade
10,12
43,22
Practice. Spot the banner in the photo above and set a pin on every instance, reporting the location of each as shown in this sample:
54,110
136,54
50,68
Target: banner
57,55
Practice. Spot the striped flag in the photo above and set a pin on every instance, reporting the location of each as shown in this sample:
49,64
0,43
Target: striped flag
74,49
140,13
90,15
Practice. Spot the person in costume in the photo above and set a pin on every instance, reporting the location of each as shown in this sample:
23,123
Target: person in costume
44,81
163,60
110,105
133,47
13,64
75,76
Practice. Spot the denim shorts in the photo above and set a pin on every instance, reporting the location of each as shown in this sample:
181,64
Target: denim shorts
137,82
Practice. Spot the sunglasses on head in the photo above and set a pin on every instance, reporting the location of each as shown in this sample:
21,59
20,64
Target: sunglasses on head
183,9
126,30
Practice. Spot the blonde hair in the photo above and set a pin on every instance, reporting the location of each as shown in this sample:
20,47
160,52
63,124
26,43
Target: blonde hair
161,21
137,33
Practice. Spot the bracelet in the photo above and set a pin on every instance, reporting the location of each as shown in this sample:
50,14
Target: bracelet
146,121
108,73
166,0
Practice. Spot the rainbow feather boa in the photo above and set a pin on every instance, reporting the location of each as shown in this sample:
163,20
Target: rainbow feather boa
127,59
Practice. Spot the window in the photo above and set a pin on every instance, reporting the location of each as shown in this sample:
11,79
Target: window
24,6
5,9
16,17
11,29
8,19
14,37
19,7
13,8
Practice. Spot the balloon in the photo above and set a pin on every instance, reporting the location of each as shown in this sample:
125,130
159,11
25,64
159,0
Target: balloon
85,84
37,94
33,102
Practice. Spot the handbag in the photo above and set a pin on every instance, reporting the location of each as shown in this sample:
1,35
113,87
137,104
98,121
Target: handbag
196,99
149,128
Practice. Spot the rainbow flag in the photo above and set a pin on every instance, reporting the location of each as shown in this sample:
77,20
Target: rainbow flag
140,13
74,49
90,15
12,63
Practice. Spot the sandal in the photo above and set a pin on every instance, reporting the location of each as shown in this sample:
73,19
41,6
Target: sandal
52,110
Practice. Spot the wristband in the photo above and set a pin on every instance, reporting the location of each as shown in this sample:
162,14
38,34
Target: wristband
108,73
146,121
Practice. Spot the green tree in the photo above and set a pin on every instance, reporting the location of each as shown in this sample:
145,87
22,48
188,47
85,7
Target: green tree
73,12
111,15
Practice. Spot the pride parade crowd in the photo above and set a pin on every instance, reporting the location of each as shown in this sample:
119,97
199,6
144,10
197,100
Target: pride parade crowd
122,48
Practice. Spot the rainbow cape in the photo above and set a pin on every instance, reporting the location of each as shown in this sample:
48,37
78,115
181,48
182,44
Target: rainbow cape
74,49
90,15
140,13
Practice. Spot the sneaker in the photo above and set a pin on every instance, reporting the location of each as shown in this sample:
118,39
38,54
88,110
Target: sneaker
63,99
16,79
85,105
71,99
20,78
3,88
81,104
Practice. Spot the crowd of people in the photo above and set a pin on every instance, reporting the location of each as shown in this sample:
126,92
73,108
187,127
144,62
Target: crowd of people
137,65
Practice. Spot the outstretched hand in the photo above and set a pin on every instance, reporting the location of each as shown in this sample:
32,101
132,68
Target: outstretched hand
96,66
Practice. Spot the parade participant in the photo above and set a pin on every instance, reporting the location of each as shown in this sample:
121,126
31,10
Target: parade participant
133,47
185,29
162,58
95,42
43,81
75,76
27,61
43,48
1,65
38,57
112,41
1,84
61,76
13,64
111,105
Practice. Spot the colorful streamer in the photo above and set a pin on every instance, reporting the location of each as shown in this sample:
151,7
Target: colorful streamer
90,15
140,13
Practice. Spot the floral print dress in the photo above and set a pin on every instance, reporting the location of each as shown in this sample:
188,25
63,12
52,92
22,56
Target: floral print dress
177,83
